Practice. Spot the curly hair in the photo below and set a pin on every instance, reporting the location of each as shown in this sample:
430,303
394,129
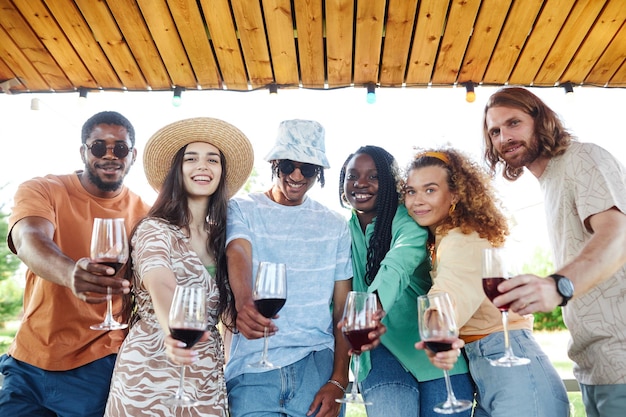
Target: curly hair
386,205
552,137
478,208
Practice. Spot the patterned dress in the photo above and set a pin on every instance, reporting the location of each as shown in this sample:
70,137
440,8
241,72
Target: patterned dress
144,376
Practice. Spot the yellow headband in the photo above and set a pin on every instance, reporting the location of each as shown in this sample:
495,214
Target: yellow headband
439,155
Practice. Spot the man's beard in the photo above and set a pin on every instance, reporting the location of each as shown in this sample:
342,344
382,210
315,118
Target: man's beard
530,152
103,186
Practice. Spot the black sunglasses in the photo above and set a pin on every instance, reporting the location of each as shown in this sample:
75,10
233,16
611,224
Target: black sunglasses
99,149
308,170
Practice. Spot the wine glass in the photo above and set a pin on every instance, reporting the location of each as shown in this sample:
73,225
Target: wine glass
438,330
498,266
109,246
358,321
187,322
270,294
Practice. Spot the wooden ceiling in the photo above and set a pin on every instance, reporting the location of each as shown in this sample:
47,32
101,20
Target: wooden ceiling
138,45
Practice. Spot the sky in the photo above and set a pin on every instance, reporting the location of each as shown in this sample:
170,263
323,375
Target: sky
46,141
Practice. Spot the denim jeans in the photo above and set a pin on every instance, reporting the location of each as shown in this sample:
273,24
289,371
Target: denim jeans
393,391
31,391
533,390
288,391
604,400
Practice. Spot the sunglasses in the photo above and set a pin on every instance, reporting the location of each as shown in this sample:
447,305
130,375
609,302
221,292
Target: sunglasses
287,167
99,149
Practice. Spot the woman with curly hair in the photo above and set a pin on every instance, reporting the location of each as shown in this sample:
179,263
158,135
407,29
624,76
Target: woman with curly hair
452,196
389,259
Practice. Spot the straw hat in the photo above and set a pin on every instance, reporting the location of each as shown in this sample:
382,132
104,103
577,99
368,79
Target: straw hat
234,145
300,141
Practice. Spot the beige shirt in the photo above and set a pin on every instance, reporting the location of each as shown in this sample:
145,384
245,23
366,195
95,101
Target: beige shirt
457,270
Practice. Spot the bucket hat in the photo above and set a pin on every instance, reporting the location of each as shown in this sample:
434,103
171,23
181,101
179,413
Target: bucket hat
234,145
300,141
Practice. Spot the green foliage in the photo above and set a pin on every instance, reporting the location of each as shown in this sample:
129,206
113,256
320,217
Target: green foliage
541,264
10,300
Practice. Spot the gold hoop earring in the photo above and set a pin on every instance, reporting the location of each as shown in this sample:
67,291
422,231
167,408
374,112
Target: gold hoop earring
451,209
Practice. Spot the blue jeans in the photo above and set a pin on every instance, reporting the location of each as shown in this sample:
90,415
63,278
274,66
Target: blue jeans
288,391
604,400
28,391
533,390
393,391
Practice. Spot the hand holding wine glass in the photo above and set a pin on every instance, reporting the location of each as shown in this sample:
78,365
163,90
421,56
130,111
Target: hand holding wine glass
498,266
359,319
109,246
187,322
270,295
438,330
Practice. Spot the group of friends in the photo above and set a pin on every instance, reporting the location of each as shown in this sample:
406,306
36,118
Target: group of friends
410,233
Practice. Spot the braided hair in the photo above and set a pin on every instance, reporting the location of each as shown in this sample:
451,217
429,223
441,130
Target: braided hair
386,205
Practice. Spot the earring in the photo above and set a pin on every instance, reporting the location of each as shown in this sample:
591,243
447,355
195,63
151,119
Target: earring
451,209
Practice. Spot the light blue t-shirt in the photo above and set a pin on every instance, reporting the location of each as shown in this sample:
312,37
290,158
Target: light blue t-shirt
314,243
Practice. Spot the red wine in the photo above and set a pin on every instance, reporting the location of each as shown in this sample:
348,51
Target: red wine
358,338
115,265
269,306
438,345
490,285
189,336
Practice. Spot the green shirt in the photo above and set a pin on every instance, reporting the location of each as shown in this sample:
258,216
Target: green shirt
403,275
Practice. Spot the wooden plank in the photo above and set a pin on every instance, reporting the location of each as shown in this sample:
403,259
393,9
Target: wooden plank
93,32
431,19
310,38
223,36
168,42
398,31
603,31
249,23
455,40
339,39
282,43
193,33
544,32
49,73
619,79
130,21
580,20
487,28
14,58
608,64
511,41
370,16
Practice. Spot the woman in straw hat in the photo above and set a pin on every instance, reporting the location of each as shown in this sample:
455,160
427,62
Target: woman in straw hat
196,165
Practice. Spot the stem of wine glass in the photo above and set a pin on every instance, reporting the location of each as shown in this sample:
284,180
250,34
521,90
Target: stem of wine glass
505,328
355,389
179,391
109,316
451,397
265,345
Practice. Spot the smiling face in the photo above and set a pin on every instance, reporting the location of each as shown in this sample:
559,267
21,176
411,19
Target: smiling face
427,196
360,186
512,134
105,175
290,189
202,169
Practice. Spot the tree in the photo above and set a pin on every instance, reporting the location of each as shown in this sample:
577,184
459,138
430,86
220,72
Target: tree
10,291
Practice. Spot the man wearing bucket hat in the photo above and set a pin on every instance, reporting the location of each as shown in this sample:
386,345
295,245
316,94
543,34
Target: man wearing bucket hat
55,352
283,225
196,165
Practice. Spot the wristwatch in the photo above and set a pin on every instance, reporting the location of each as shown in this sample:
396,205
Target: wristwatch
564,286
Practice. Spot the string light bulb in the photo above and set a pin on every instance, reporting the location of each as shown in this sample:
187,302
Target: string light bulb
470,95
177,99
273,89
82,93
569,88
371,93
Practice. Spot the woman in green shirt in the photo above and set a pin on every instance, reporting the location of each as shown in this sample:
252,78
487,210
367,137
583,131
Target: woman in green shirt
389,258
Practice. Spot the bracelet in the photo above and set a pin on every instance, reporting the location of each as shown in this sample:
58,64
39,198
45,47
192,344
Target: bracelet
337,384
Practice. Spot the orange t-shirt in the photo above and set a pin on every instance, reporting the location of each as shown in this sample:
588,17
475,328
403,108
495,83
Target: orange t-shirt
55,334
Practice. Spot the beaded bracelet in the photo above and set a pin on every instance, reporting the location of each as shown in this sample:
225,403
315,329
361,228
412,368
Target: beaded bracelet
337,384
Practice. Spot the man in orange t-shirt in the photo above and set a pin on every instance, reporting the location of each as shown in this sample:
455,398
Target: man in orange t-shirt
57,365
